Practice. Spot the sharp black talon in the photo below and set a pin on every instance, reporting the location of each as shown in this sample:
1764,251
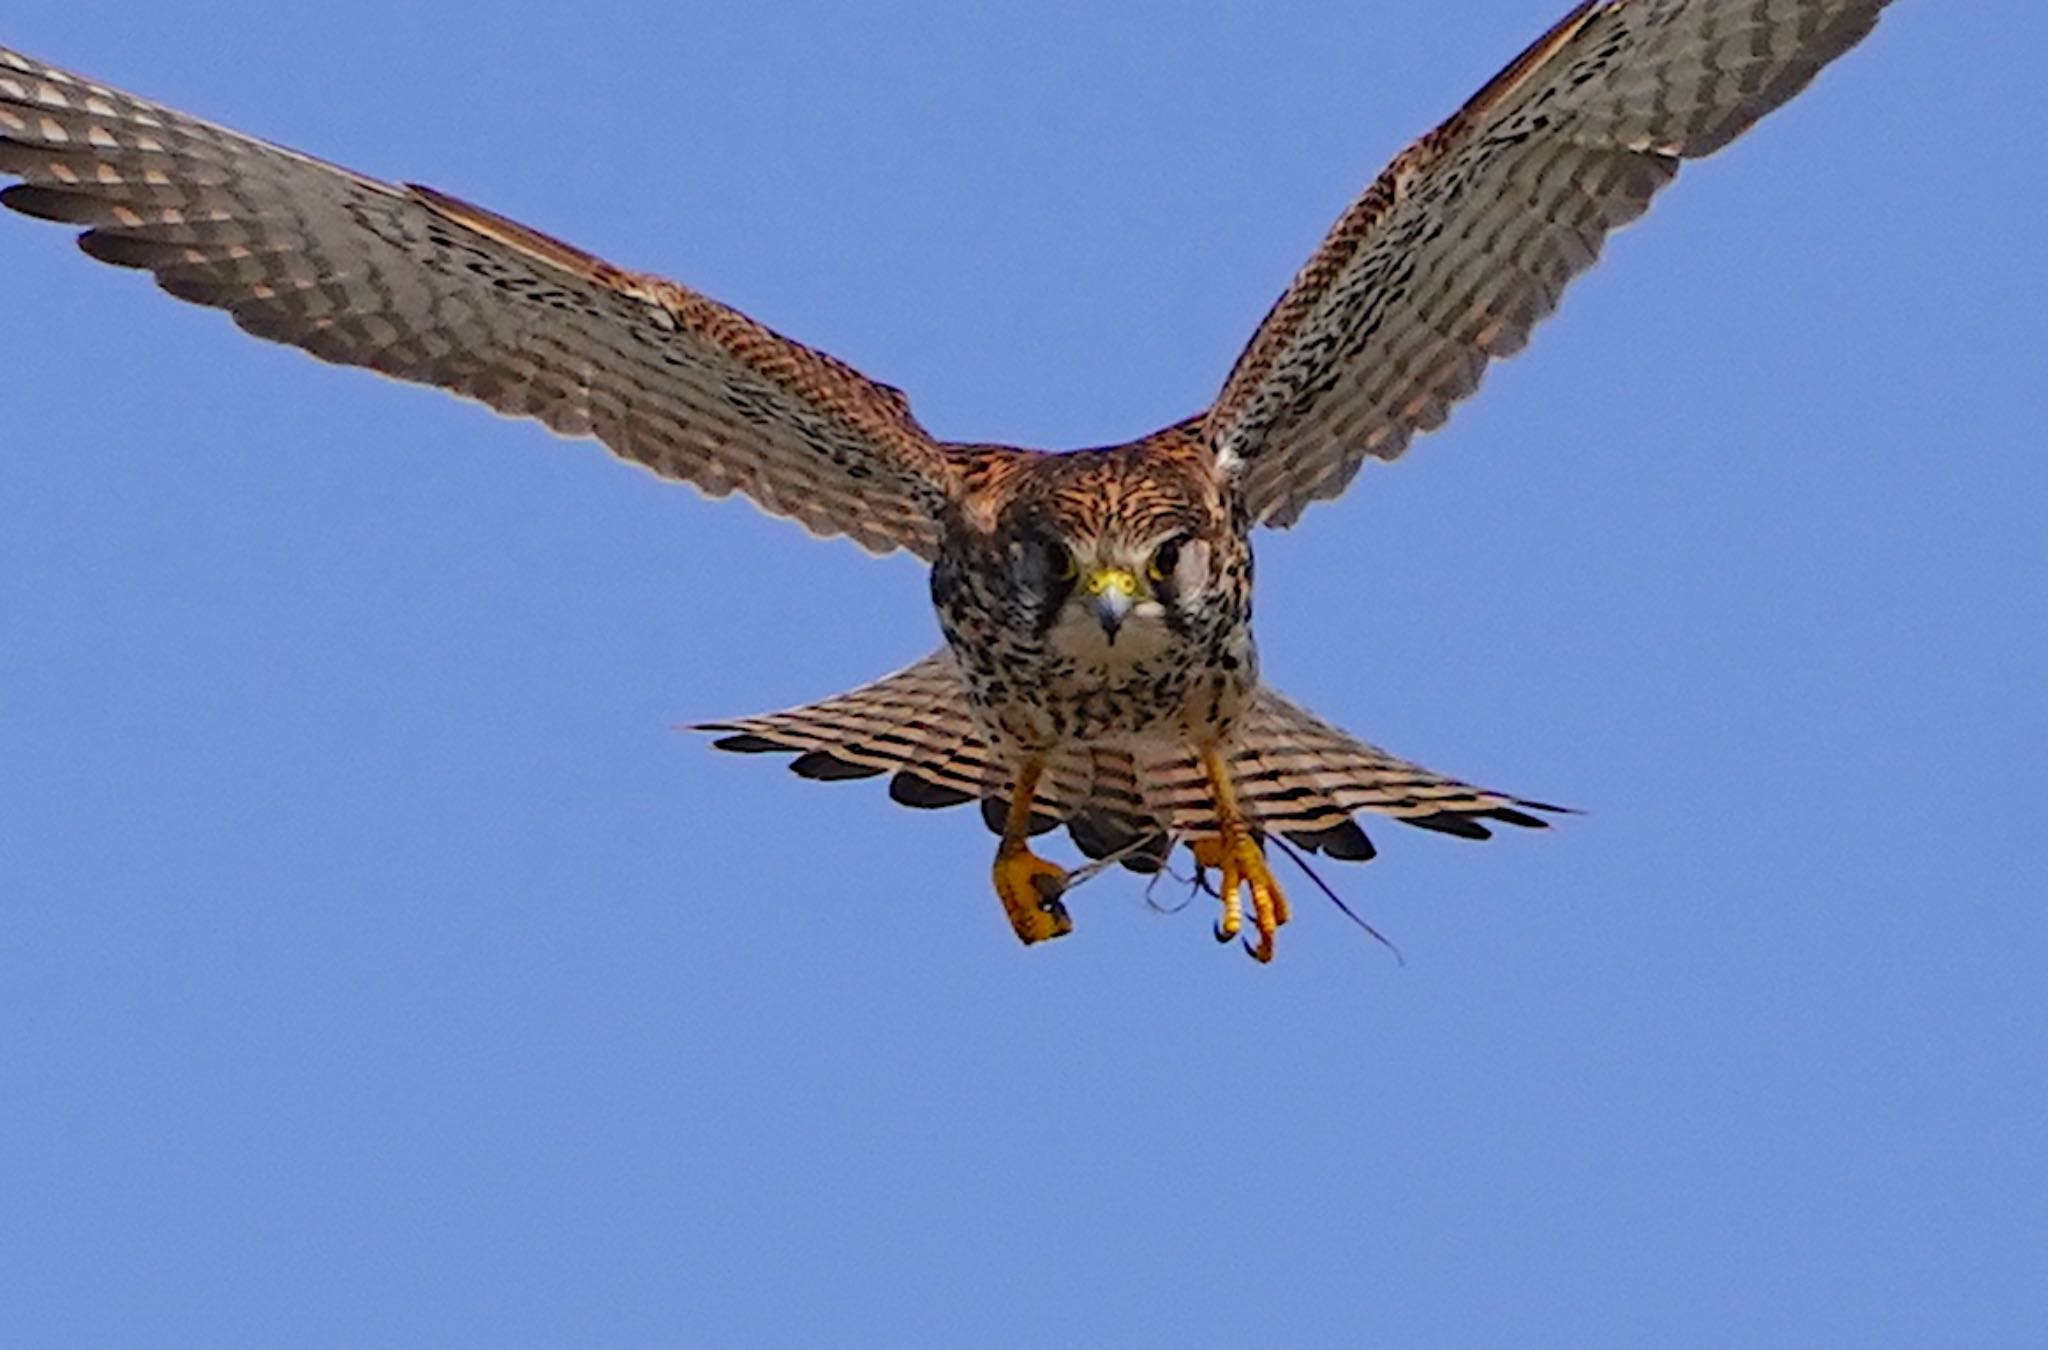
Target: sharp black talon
1221,936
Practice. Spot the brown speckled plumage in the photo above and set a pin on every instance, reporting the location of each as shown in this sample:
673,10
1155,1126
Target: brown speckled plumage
1096,605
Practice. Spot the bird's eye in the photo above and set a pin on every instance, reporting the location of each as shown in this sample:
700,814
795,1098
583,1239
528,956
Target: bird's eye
1059,561
1165,558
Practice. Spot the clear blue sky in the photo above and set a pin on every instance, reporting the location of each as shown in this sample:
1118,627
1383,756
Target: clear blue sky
379,968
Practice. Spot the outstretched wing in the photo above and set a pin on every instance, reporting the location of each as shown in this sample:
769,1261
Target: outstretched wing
423,287
1470,236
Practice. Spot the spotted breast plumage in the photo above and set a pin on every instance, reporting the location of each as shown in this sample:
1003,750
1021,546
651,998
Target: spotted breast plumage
1098,670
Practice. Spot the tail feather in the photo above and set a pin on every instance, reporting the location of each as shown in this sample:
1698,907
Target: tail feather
1297,748
1114,818
1296,775
912,720
914,724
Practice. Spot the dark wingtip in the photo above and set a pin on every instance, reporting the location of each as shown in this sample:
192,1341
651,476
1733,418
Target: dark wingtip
66,208
120,250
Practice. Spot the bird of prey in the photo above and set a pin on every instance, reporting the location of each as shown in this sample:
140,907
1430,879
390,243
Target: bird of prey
1098,669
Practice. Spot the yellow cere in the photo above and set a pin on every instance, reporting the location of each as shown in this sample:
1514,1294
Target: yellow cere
1112,580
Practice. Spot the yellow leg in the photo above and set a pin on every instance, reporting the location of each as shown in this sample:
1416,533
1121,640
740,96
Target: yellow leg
1235,853
1028,885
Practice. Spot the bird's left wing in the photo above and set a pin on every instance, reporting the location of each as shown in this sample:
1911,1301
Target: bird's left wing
423,287
1470,236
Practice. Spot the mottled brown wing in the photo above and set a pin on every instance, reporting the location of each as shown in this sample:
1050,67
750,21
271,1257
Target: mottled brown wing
420,286
1471,234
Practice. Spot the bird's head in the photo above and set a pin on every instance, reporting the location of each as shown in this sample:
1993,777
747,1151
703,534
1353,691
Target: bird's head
1113,584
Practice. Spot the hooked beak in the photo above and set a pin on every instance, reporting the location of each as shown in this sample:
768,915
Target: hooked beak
1113,591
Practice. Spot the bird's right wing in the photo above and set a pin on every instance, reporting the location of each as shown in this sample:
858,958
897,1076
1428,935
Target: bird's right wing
421,286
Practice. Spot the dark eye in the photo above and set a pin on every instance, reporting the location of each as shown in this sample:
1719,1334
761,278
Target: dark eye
1165,558
1059,561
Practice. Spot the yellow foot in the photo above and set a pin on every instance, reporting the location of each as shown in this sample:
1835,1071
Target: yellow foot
1030,889
1243,864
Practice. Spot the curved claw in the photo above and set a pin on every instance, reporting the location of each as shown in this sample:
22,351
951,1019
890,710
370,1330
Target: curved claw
1242,863
1030,889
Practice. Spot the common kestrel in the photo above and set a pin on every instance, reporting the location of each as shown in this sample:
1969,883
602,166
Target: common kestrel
1099,669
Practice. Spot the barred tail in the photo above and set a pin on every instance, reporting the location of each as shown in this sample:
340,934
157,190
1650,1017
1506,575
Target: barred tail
914,722
1305,779
1296,774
